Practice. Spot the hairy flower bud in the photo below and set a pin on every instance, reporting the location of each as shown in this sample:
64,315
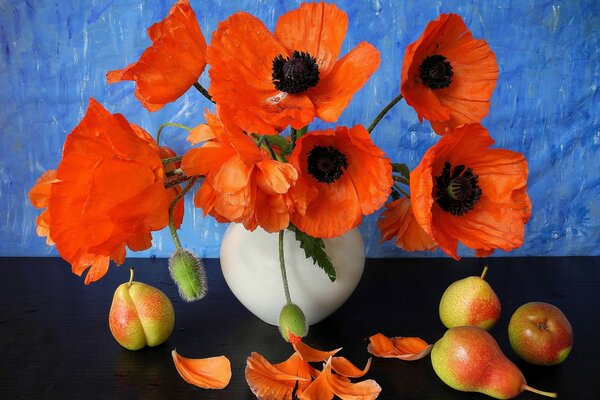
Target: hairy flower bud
188,272
292,322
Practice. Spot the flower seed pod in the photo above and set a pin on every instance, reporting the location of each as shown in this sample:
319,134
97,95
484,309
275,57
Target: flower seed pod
292,322
188,272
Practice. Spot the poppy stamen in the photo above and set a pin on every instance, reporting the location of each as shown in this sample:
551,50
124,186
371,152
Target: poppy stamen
296,73
436,72
326,163
457,190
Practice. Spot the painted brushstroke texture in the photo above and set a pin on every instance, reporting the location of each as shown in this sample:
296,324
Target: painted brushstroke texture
55,56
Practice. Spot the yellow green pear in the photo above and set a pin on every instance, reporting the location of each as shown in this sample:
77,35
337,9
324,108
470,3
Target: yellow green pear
467,358
470,301
140,315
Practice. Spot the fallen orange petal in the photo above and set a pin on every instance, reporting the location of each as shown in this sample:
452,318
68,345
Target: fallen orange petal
403,348
310,354
267,381
207,373
344,367
328,384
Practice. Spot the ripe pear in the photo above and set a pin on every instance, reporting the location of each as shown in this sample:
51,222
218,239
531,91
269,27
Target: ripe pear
140,315
467,358
470,301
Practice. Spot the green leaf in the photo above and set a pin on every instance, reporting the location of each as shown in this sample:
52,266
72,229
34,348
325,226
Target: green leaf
315,248
280,142
402,169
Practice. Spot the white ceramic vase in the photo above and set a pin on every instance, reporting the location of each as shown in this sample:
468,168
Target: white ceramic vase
250,265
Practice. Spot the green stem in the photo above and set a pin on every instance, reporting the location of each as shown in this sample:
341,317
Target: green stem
130,277
398,188
172,209
170,160
401,179
271,151
293,137
204,92
178,180
282,265
160,128
383,112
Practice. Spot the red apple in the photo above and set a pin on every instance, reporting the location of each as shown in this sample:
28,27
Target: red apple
540,334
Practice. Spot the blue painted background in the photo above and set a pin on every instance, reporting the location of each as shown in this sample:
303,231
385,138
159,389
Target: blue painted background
54,56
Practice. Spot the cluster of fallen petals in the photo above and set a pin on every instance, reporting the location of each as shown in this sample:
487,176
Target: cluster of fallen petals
296,378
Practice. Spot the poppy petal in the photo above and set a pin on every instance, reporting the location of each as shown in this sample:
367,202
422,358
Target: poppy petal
403,348
206,373
335,90
40,192
268,382
344,367
200,133
310,354
398,220
316,28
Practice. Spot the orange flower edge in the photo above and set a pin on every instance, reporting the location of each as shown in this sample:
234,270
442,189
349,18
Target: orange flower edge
248,64
464,191
39,196
206,373
398,221
342,175
403,348
310,354
447,76
174,62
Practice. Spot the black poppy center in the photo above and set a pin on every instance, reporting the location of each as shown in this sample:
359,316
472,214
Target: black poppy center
457,190
436,72
296,73
326,163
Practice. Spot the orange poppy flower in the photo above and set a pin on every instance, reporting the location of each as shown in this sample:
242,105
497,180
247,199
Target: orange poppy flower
462,190
174,62
206,373
342,176
398,220
295,376
403,348
265,82
447,76
107,193
242,183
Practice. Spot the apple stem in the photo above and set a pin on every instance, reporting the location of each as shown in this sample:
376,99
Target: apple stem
547,394
485,270
130,276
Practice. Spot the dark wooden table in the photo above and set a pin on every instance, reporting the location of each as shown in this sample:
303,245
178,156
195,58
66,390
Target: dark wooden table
55,341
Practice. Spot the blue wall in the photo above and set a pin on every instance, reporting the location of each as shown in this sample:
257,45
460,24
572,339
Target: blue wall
55,55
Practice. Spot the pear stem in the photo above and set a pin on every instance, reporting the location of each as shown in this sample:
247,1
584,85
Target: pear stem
547,394
485,270
130,276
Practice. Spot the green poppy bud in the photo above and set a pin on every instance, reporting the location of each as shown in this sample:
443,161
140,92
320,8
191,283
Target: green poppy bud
292,321
188,272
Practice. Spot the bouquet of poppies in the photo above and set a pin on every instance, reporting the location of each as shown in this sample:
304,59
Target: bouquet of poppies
254,159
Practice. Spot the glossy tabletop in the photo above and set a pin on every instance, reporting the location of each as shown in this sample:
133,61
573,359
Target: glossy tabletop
55,341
